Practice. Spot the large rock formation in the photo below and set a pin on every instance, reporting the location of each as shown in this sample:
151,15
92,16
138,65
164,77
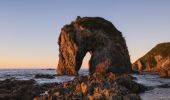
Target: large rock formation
156,60
95,87
98,36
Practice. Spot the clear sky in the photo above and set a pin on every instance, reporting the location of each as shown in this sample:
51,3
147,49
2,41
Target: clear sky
29,29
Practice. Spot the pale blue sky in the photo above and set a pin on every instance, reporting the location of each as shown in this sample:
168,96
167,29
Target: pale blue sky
29,29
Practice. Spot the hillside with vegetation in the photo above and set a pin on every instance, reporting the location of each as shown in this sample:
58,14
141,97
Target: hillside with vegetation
156,60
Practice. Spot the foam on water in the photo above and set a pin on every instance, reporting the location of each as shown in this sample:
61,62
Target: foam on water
150,79
153,80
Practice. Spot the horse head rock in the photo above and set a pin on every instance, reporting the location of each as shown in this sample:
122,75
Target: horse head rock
98,36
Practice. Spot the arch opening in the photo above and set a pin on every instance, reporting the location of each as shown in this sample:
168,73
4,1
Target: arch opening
85,63
84,69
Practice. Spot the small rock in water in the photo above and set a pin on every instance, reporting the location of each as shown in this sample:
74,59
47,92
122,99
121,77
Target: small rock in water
164,86
44,76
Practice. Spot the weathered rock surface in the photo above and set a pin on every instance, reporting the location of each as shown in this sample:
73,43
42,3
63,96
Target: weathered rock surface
156,60
16,90
98,36
96,87
163,68
90,87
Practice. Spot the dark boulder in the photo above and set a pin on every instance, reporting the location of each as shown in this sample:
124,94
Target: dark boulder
11,89
48,76
16,89
164,86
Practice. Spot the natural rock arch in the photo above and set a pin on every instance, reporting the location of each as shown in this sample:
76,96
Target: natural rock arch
99,37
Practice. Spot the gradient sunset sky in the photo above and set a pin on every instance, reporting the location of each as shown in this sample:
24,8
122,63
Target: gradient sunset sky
29,29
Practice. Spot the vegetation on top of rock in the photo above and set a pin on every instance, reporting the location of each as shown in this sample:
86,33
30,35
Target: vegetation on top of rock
96,23
162,49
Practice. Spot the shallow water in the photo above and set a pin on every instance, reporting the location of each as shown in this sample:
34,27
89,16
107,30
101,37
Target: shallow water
153,80
156,94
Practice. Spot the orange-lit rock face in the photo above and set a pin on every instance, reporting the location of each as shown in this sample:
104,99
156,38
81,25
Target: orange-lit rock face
137,66
163,67
99,37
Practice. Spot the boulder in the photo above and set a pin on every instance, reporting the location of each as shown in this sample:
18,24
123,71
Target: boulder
98,36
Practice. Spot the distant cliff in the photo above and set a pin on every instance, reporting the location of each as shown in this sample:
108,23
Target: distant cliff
156,60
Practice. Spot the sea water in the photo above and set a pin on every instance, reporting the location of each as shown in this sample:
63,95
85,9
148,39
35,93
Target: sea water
27,74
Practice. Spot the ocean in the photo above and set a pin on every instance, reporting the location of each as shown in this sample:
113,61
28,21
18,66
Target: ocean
27,74
153,80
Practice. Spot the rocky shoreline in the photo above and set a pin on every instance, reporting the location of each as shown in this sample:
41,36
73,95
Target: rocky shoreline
89,87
